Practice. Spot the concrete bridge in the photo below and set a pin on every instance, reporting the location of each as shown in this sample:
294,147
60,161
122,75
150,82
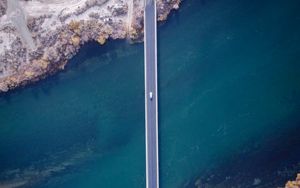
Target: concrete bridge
151,97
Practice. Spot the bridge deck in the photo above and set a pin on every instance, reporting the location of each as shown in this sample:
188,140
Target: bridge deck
150,38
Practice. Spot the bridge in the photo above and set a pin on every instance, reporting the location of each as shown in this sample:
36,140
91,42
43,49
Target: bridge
151,97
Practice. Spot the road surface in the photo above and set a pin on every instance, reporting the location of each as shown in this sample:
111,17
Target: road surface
152,170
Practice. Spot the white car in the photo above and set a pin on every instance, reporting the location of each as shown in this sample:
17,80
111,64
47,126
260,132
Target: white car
151,95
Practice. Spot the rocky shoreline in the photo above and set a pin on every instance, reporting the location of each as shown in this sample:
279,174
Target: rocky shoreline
58,30
294,183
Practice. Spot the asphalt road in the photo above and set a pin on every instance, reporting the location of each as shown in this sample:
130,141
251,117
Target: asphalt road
152,172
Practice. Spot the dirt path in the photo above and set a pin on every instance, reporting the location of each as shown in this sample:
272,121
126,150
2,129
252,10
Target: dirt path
130,14
17,16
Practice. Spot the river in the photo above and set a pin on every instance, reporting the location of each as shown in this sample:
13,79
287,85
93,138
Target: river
229,106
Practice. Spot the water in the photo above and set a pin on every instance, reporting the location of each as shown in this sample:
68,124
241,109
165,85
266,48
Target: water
85,122
230,100
229,106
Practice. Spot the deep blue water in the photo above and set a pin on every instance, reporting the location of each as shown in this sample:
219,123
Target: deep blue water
229,107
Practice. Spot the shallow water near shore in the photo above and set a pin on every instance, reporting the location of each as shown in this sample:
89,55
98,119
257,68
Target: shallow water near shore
229,107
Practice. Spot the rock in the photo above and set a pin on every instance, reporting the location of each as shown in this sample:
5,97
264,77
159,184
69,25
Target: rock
3,86
43,63
74,26
176,6
198,183
75,40
29,74
119,9
256,182
101,40
294,184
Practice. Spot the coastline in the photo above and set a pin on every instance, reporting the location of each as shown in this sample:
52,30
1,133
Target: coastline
58,34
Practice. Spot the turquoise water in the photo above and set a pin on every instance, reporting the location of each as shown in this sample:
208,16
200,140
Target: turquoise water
229,77
84,125
229,92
